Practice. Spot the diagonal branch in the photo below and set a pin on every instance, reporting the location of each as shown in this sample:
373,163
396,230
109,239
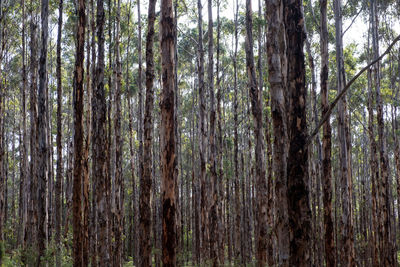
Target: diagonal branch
328,113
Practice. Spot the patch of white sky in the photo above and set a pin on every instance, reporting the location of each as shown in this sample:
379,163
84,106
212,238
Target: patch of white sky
356,29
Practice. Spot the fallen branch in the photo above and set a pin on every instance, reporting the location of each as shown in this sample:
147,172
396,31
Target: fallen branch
328,113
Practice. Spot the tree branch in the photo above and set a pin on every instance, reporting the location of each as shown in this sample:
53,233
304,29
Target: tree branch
328,113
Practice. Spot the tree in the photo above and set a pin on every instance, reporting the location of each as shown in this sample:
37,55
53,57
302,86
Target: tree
256,108
204,241
42,136
99,142
326,143
58,138
119,183
347,245
78,138
213,219
277,64
167,134
146,178
297,162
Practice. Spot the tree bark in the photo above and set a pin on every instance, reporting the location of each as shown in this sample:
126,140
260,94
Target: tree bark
119,183
99,143
347,246
256,108
167,135
24,150
146,178
58,139
78,137
326,143
277,64
213,220
297,163
204,245
42,136
387,250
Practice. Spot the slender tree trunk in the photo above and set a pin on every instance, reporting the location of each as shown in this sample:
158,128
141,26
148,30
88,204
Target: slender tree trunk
2,195
326,143
32,204
42,136
99,143
93,220
347,254
146,178
86,224
24,151
384,198
118,226
256,108
58,139
220,146
78,136
213,153
277,63
374,174
204,249
167,135
236,236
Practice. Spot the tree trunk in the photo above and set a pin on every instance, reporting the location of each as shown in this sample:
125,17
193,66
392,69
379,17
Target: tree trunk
146,178
347,246
24,151
277,64
384,194
78,137
213,153
236,234
32,204
118,225
220,146
326,143
256,108
42,136
298,191
58,139
204,249
99,143
167,135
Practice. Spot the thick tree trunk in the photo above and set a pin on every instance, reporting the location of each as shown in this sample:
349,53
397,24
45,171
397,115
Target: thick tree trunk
58,139
256,108
167,135
146,178
326,143
298,191
42,137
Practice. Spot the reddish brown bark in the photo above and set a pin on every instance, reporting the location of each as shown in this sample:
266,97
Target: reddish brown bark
168,135
78,137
